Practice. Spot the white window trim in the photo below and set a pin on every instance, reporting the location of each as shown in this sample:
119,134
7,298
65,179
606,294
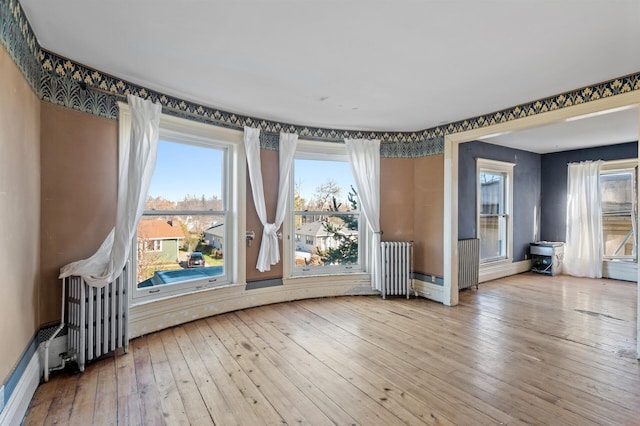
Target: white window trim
612,264
177,129
189,286
501,167
619,164
327,151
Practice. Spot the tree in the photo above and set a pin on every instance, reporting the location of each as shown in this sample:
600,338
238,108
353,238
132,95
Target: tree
191,240
323,196
299,203
195,203
148,261
159,203
351,222
346,251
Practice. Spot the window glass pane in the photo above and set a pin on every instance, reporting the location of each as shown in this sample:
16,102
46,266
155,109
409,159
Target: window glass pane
492,186
192,247
326,222
493,237
617,192
618,236
618,214
493,196
189,244
187,177
319,182
326,240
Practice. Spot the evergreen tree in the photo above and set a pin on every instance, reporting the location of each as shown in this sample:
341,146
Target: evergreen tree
346,251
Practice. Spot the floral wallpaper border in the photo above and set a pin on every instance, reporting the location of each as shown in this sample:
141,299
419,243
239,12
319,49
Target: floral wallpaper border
64,82
20,42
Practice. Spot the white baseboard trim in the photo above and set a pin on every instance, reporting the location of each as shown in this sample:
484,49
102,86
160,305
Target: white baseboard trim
427,290
488,273
18,403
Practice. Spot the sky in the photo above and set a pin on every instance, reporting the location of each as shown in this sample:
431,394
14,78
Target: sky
310,174
183,169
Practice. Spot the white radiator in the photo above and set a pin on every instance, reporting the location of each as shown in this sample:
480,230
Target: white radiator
468,263
97,318
396,268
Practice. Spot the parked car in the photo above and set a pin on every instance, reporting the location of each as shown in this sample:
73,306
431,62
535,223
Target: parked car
196,260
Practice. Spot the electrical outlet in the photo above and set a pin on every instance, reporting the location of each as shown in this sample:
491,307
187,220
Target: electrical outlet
433,278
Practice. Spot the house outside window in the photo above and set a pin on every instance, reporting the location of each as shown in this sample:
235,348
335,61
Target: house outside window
618,182
326,220
188,210
494,217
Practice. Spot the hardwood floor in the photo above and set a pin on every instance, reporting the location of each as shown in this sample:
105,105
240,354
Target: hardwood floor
527,349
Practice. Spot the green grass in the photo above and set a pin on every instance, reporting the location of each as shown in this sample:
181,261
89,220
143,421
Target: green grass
210,261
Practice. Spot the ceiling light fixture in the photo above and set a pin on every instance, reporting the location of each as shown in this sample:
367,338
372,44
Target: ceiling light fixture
495,135
598,113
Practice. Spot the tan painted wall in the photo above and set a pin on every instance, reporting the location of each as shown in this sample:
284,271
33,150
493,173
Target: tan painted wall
428,195
412,206
270,177
411,192
79,184
396,200
19,213
79,181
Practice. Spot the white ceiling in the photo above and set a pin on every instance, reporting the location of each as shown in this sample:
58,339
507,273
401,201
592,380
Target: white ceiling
400,65
606,128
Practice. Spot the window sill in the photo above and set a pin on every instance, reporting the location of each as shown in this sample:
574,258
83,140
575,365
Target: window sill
153,315
176,295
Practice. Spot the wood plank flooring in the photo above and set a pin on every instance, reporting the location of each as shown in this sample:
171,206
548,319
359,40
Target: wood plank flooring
527,349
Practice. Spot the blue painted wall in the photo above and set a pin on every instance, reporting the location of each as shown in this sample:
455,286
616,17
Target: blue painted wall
554,183
526,192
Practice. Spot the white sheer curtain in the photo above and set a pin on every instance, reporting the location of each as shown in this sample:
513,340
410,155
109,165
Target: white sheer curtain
137,154
364,157
269,251
583,250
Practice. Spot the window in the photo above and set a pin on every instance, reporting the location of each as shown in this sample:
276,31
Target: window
326,217
619,211
153,245
494,194
183,237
